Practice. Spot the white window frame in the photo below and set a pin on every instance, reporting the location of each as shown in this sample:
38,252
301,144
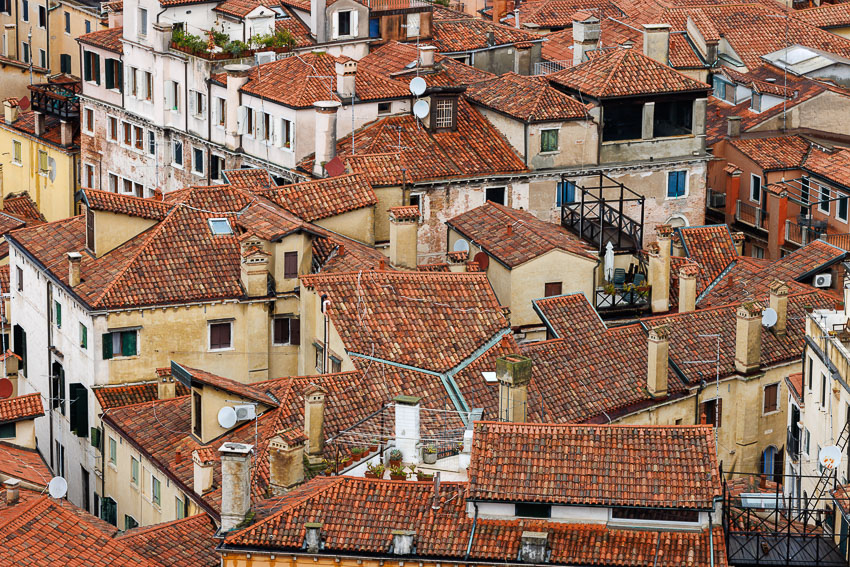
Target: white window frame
17,145
88,167
142,15
557,135
88,127
838,216
110,175
753,179
109,120
220,112
209,335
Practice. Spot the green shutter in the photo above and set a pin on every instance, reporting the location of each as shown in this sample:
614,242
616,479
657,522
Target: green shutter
87,65
128,343
84,336
58,314
107,346
110,77
96,439
96,65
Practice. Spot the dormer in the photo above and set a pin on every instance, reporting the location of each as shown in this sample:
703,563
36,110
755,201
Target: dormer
442,112
259,21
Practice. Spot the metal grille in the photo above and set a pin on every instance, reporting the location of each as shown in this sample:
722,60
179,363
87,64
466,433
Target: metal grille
443,114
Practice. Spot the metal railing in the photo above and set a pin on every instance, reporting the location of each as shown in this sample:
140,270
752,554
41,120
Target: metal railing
547,67
751,215
799,234
622,299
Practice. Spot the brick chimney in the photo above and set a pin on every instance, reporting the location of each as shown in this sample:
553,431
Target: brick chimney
345,74
203,471
586,30
779,303
235,483
10,110
657,360
404,229
286,460
656,42
39,125
407,427
12,486
74,261
314,421
66,133
426,56
748,338
165,386
733,126
237,76
513,373
688,287
659,270
326,111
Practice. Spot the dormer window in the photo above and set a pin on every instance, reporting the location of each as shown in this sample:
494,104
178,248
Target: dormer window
444,113
220,227
90,229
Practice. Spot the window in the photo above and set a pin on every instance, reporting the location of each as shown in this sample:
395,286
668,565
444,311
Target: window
25,52
216,167
811,365
155,491
142,22
109,511
42,58
677,185
672,118
841,213
68,23
8,431
19,337
130,522
807,442
113,186
711,412
266,127
134,471
91,67
757,252
57,314
42,16
343,23
755,188
148,85
286,331
88,115
88,176
196,407
16,152
552,289
249,121
320,357
287,132
622,121
771,463
177,153
198,161
42,162
804,196
823,203
220,111
88,26
120,343
60,459
133,77
25,10
113,451
771,398
128,133
180,508
413,21
112,128
79,409
290,265
6,6
220,226
197,103
383,108
65,63
565,193
495,194
20,278
444,113
823,390
719,87
336,364
533,510
139,137
549,140
172,95
755,102
57,387
113,74
84,337
151,142
220,335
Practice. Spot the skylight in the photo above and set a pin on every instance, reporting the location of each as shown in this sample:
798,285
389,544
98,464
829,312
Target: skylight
220,226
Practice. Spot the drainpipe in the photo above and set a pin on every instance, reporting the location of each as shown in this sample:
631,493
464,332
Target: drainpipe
326,303
186,100
49,371
472,533
525,142
700,388
710,541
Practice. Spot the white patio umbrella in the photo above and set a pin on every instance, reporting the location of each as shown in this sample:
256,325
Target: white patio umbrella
609,261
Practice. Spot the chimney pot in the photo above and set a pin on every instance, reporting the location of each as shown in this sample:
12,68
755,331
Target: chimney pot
74,261
326,111
738,239
733,126
235,483
66,133
779,303
203,472
165,386
12,487
657,361
513,373
748,338
10,110
688,287
39,123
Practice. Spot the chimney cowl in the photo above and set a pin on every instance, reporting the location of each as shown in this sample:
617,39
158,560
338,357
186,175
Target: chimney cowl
12,487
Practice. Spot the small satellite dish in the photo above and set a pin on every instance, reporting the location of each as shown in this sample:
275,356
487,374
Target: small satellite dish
461,246
24,103
417,85
769,317
482,259
227,417
830,457
5,388
57,487
421,108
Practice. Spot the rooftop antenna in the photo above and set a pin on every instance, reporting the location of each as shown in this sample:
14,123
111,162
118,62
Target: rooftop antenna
57,487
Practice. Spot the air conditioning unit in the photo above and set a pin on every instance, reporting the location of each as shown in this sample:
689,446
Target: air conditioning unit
265,57
717,200
823,280
244,413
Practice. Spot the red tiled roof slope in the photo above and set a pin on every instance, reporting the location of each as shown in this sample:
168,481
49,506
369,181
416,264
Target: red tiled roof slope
184,543
126,394
468,34
569,314
779,152
126,204
24,464
322,198
28,406
108,39
528,98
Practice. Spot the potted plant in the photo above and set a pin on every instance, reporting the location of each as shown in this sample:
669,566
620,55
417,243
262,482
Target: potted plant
839,306
375,470
424,477
808,308
330,467
395,457
373,445
397,473
609,288
357,453
429,454
343,462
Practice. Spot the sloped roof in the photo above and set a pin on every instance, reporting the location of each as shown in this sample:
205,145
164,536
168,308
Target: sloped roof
20,205
777,152
24,464
28,406
624,72
824,16
251,178
322,198
530,99
114,396
130,205
607,465
108,39
293,24
513,237
711,247
226,385
569,314
470,34
395,59
559,13
380,169
183,543
831,165
241,8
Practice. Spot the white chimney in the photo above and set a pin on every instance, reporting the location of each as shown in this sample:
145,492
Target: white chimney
74,261
345,76
407,427
237,76
325,133
426,56
235,483
656,42
203,472
39,123
10,110
586,29
12,486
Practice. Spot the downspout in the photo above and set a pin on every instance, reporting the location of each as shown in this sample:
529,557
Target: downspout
525,142
49,372
472,533
186,101
710,541
700,388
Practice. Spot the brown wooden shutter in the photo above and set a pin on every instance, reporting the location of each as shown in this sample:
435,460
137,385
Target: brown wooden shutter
719,411
295,331
90,229
290,265
770,398
281,330
552,289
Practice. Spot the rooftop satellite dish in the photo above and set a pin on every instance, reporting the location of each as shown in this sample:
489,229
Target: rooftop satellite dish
768,317
421,108
461,245
417,85
227,417
57,487
5,388
830,457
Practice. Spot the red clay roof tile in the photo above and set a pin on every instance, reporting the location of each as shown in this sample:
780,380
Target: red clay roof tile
24,464
28,406
184,543
530,99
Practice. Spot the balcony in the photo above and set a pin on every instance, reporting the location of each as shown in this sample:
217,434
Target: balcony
628,298
58,98
751,215
800,234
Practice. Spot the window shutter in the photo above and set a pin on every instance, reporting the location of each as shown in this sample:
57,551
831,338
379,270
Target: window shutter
128,343
87,65
107,346
110,74
203,103
169,95
97,438
241,120
354,29
225,335
281,331
290,265
719,411
335,26
79,410
295,331
96,65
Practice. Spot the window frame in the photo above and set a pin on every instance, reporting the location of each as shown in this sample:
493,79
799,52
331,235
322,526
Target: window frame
112,456
142,18
292,324
547,132
755,196
210,325
175,153
88,119
156,491
196,161
17,152
764,408
504,190
45,170
42,16
67,25
548,285
685,189
135,468
824,190
845,202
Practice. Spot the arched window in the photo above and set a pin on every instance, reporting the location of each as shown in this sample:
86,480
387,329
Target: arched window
771,463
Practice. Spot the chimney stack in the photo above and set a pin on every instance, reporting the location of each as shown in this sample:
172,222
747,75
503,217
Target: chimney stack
404,232
237,76
586,29
779,303
748,338
13,494
534,547
203,471
286,460
659,269
688,287
314,421
325,133
235,483
162,36
74,261
10,110
318,9
165,386
656,42
403,542
312,537
513,373
733,126
500,9
39,123
407,427
345,74
657,361
426,56
254,268
66,133
738,239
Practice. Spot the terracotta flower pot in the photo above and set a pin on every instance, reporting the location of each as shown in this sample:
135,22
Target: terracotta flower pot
370,474
398,476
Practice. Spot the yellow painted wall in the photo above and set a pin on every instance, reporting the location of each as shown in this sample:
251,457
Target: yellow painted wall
388,197
15,79
62,42
312,330
301,243
359,224
112,230
24,434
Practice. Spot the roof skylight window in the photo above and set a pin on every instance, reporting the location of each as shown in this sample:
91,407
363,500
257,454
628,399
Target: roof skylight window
220,227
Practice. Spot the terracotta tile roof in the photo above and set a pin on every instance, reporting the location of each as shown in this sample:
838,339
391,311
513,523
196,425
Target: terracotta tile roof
607,465
24,464
795,386
756,84
779,152
293,24
20,205
322,198
249,178
8,223
427,320
298,82
4,272
567,314
26,123
241,8
25,496
530,99
108,39
559,13
126,394
513,237
335,253
303,5
475,148
624,72
184,543
173,3
126,204
831,165
406,213
711,248
28,406
226,385
824,16
396,60
841,495
469,34
46,532
352,513
379,169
